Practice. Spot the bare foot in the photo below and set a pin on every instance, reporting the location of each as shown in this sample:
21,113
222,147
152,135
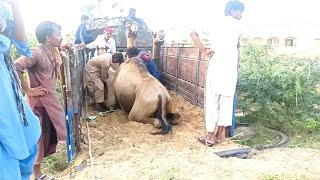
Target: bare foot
218,138
218,134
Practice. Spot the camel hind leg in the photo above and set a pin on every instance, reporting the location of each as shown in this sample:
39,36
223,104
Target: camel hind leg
141,112
173,118
144,109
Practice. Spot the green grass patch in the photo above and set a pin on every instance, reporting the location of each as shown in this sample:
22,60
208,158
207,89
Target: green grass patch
283,177
311,140
169,174
261,136
55,163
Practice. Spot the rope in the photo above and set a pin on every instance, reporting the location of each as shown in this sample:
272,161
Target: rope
89,139
90,153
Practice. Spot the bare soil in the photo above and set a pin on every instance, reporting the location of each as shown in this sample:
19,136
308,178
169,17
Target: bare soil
125,149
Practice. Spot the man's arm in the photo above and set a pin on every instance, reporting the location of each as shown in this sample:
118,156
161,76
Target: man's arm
83,33
22,64
196,40
113,46
37,91
19,30
94,43
105,65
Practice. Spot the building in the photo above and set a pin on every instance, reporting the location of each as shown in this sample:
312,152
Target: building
285,38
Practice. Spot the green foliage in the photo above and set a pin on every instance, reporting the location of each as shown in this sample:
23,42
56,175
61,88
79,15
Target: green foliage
59,90
279,91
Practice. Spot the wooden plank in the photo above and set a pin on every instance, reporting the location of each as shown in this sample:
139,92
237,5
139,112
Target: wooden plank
184,88
171,51
76,121
187,70
171,66
202,73
200,96
189,67
169,81
75,98
187,52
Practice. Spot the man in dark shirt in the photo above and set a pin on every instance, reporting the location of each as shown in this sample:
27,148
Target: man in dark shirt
81,34
132,18
82,37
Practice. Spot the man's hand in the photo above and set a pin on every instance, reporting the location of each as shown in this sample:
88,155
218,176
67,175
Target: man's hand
83,45
208,53
65,47
37,91
128,24
198,43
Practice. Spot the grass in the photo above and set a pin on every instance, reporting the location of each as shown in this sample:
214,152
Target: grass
169,174
262,136
305,141
56,163
283,177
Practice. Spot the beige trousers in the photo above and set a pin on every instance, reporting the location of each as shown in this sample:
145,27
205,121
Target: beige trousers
98,94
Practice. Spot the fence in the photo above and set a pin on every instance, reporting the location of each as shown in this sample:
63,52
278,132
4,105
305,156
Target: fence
73,96
184,70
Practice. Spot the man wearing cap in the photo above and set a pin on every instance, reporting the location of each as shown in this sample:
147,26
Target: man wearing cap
104,41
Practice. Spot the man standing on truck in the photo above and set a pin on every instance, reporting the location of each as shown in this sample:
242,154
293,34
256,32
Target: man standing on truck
221,78
104,41
132,18
81,35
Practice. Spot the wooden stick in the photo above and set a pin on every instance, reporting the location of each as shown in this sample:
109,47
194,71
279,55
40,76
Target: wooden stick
90,153
235,140
115,130
236,135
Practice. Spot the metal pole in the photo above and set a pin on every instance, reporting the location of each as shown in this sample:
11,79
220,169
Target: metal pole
235,98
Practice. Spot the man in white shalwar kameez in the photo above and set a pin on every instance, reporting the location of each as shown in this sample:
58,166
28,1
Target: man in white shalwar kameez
221,78
104,41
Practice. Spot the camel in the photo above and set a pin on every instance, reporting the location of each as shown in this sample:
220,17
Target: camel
142,95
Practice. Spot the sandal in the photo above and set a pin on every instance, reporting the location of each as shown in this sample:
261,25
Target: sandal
203,140
44,177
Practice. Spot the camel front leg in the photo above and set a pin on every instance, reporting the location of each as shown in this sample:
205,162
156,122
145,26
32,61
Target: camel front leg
134,116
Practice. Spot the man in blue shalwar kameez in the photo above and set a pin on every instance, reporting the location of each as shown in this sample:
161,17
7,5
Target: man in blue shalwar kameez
19,127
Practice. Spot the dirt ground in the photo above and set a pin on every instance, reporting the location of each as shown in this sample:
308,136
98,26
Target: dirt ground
125,150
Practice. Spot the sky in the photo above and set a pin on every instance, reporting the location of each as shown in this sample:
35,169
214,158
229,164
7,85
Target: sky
165,14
